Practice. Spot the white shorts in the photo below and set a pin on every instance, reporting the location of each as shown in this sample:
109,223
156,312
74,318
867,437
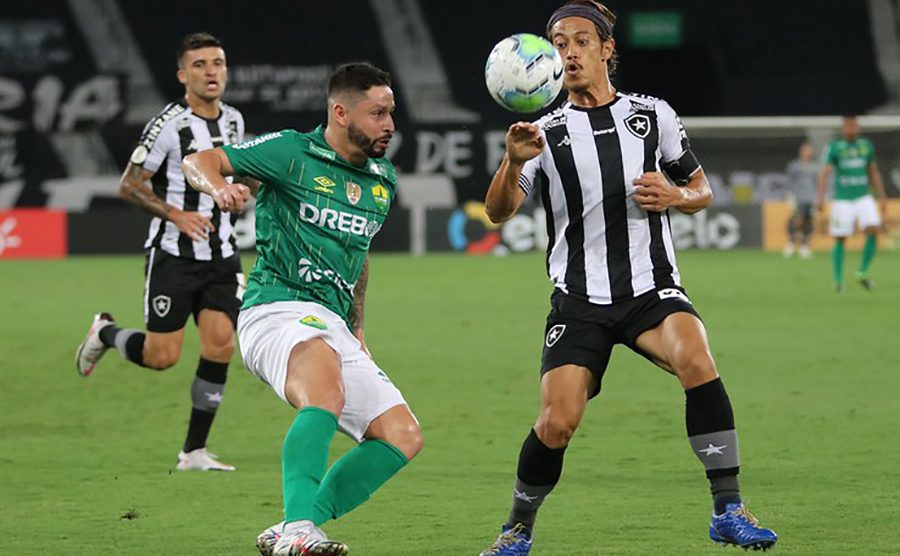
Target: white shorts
267,334
845,215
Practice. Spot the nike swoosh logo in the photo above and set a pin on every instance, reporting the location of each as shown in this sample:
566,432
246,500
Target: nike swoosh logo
557,74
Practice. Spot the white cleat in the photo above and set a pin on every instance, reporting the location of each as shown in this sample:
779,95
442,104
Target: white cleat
805,252
266,540
201,460
303,538
91,348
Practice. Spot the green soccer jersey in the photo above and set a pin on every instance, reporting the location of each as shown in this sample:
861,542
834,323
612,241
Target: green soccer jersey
316,215
851,167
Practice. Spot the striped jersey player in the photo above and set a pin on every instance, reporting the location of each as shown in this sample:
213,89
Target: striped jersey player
609,166
192,265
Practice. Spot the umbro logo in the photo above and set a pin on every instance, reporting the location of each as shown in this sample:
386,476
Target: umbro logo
554,334
161,305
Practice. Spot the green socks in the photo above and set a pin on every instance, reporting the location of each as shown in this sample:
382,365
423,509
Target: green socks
838,258
354,477
868,253
304,458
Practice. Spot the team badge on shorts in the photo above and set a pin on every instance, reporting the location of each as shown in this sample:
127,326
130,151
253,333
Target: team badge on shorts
638,125
161,305
554,334
314,321
354,192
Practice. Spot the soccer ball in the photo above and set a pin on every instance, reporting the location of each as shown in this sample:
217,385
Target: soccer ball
524,73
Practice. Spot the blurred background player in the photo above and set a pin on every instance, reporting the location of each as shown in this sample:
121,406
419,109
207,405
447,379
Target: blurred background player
325,195
802,179
852,159
193,266
611,261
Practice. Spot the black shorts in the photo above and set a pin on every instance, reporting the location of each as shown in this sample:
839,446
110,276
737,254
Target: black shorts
804,210
583,333
176,287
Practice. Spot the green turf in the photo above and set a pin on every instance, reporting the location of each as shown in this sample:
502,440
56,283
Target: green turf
813,377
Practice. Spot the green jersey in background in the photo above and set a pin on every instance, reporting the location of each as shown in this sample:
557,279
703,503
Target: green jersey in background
851,167
316,215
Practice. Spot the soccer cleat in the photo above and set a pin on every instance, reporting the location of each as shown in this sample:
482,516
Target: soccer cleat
865,282
91,348
305,539
838,287
513,541
737,526
267,540
805,252
788,251
201,460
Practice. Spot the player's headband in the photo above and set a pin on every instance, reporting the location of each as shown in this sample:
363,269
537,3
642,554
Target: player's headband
586,12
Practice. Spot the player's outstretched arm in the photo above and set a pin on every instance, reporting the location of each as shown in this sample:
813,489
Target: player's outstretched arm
134,189
504,197
654,193
206,171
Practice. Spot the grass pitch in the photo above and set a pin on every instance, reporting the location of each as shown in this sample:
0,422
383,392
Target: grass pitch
87,465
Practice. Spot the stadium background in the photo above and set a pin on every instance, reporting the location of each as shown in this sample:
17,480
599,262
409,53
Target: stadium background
79,79
86,465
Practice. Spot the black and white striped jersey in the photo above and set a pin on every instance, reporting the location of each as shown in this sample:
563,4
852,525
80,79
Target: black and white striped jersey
603,247
173,134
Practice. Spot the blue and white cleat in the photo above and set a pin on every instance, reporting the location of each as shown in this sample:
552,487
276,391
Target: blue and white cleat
513,541
737,526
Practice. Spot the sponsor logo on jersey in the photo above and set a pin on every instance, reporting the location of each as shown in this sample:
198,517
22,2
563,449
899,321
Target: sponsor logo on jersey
354,192
555,122
638,125
257,141
566,142
161,305
555,333
339,220
159,122
314,321
381,196
309,274
605,131
325,185
672,293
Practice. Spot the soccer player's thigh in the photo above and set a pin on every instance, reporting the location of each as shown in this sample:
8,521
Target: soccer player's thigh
575,356
842,219
168,301
288,346
867,214
216,308
676,341
374,407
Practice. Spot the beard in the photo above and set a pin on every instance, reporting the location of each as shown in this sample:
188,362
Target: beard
364,142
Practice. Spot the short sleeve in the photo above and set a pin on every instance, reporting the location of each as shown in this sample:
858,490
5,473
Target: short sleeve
156,147
677,159
529,172
871,151
266,158
828,156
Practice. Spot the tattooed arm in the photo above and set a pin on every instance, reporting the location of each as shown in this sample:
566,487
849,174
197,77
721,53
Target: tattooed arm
134,189
357,312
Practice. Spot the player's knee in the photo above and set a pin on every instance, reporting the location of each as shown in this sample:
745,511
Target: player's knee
694,365
408,439
161,358
221,349
557,425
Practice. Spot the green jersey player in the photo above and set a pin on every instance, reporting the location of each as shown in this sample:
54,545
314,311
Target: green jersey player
852,159
324,195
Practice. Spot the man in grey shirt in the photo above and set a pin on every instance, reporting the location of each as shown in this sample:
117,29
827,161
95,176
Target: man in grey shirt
802,175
